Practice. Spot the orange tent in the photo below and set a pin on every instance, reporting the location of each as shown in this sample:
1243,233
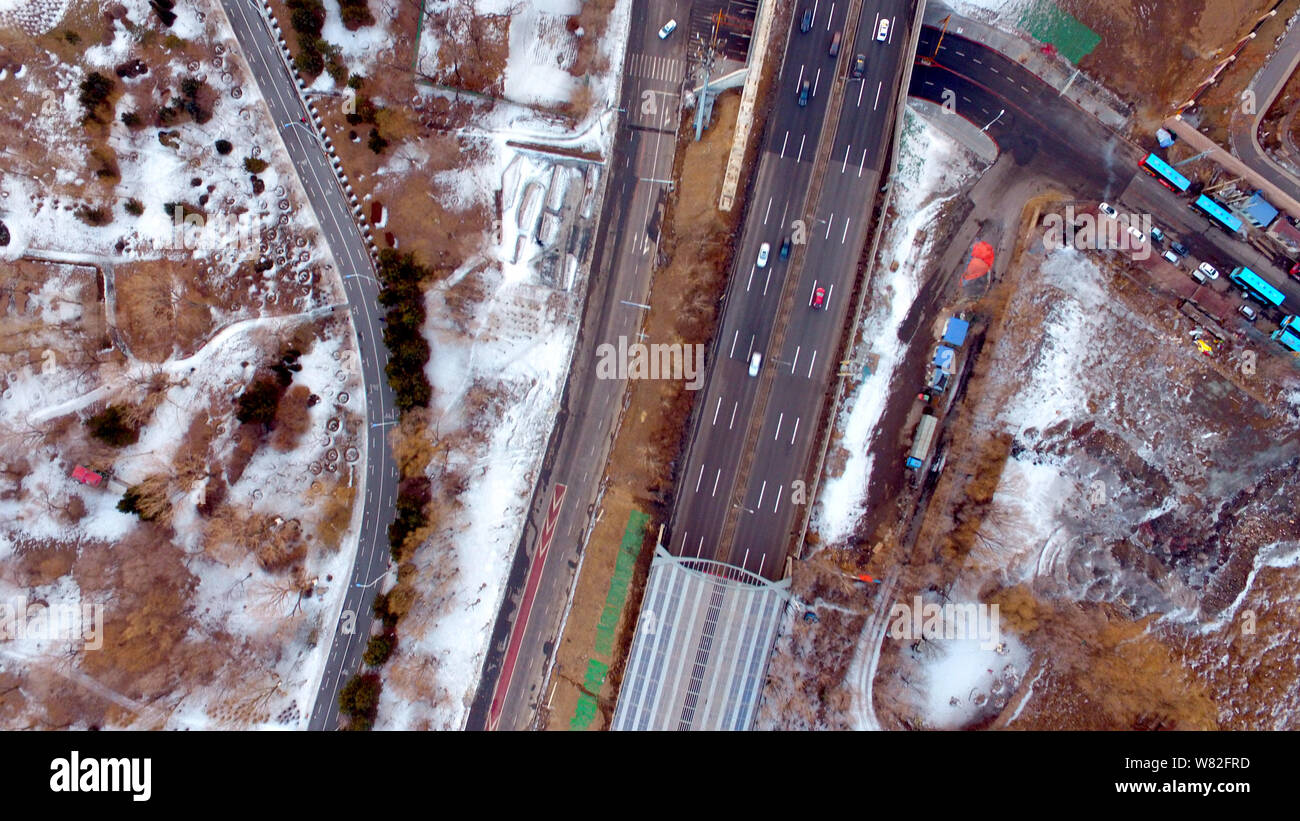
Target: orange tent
981,261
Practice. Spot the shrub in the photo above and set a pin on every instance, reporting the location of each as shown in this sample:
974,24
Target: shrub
131,120
355,14
254,165
112,427
72,37
359,698
224,147
413,496
403,299
378,649
354,82
376,142
95,91
259,403
134,207
96,215
173,42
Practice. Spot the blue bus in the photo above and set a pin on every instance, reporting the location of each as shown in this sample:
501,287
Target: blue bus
1256,286
1218,215
1165,173
1287,339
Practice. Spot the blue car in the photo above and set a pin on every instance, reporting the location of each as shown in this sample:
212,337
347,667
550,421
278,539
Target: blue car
803,93
806,23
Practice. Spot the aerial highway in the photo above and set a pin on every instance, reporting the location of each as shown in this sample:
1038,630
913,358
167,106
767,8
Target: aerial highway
714,483
378,491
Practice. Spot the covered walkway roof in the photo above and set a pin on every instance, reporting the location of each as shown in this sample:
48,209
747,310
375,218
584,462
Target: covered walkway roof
699,655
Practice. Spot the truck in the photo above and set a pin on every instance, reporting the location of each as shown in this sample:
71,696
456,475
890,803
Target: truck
921,442
1288,335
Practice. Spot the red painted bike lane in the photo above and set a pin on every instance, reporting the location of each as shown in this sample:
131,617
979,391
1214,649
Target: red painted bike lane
525,606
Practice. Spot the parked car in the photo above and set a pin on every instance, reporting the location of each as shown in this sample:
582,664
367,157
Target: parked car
803,93
668,29
1209,270
859,65
1248,312
1198,276
835,43
818,298
1108,210
882,33
1157,234
1137,235
1178,248
763,251
754,362
785,248
1171,258
806,23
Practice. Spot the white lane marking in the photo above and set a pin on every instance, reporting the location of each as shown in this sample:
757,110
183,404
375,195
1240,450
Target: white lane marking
801,140
796,429
829,291
829,223
817,81
768,280
751,279
862,164
810,293
697,481
768,212
761,491
890,41
810,364
779,420
861,87
876,104
734,405
777,504
830,17
844,166
734,337
796,358
715,412
783,142
715,482
846,234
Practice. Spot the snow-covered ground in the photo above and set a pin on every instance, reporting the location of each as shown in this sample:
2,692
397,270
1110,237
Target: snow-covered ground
931,169
516,347
238,610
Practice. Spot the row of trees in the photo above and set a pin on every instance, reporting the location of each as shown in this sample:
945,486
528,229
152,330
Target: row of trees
402,295
308,18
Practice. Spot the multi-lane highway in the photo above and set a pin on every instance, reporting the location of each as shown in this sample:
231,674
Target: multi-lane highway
623,259
378,488
736,500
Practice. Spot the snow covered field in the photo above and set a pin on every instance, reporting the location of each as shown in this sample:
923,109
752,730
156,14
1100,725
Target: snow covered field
204,623
498,371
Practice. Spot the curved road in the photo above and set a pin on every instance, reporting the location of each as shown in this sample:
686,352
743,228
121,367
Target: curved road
378,490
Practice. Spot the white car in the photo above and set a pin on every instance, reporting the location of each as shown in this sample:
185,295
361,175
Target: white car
668,29
882,33
1248,312
754,362
1140,237
1109,211
763,251
1209,270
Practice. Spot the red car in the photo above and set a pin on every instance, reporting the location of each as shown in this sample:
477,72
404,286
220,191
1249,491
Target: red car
819,297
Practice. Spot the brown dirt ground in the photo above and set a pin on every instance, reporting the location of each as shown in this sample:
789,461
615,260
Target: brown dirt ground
1135,58
697,249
